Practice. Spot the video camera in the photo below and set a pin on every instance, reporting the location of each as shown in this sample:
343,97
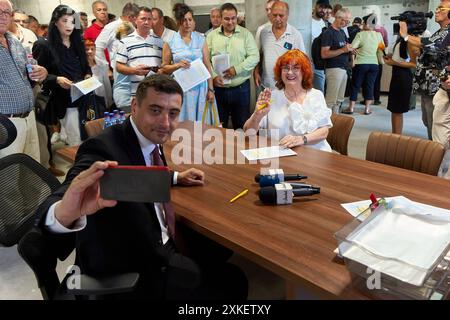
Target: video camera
416,22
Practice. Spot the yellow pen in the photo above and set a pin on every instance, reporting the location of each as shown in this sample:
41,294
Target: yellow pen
243,193
263,105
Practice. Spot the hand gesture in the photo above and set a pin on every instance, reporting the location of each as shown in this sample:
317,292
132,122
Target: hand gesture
83,195
63,82
141,70
230,73
39,73
191,177
218,81
263,104
291,141
184,64
210,97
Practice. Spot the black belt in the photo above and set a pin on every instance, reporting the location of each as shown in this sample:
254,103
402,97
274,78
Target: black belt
18,115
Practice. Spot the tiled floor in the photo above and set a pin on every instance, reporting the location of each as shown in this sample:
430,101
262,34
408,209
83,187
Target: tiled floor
17,280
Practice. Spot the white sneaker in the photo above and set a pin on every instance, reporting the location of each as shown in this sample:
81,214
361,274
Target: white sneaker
55,137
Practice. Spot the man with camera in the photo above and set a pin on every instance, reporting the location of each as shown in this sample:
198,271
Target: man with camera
427,76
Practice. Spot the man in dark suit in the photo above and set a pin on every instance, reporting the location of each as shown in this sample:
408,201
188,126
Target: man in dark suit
115,237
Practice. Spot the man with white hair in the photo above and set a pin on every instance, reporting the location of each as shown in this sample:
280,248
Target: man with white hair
275,41
16,95
336,54
215,18
100,11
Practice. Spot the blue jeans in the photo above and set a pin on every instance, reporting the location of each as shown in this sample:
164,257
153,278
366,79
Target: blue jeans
234,101
363,75
319,80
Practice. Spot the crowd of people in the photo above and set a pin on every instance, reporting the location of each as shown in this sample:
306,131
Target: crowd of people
141,41
134,58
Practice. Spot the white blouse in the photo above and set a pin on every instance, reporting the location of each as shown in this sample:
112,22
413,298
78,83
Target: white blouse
298,119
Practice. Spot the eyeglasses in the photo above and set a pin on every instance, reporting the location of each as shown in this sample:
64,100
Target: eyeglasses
287,68
440,9
6,13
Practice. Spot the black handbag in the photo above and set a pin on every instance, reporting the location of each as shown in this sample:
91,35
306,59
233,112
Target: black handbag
40,106
44,108
90,107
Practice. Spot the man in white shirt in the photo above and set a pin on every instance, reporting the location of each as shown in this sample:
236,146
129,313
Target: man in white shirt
215,18
107,37
158,26
139,53
25,36
114,237
275,41
269,5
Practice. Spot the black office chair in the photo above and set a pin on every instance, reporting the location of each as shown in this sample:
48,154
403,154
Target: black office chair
8,132
25,185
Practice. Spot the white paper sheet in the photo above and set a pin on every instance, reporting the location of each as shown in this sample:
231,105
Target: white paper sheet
79,89
403,242
221,62
191,77
267,153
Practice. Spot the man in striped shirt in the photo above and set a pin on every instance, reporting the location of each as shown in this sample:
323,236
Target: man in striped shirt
140,53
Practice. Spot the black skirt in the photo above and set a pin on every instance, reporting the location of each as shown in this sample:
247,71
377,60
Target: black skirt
400,90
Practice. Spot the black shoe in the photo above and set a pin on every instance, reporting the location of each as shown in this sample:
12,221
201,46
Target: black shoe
377,103
362,102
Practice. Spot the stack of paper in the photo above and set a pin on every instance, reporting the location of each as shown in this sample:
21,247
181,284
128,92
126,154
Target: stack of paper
404,242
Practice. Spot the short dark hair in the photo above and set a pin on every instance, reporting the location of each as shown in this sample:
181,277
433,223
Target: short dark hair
130,9
373,18
145,9
357,20
160,83
32,19
82,13
180,10
228,6
160,13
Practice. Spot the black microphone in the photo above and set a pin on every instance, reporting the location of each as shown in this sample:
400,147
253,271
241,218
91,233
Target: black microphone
271,180
284,195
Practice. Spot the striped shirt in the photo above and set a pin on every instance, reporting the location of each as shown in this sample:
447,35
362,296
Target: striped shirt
134,50
16,95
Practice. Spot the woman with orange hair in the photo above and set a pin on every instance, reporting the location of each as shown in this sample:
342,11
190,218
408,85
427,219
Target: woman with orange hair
295,108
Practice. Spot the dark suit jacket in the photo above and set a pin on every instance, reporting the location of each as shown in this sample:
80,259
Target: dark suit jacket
126,238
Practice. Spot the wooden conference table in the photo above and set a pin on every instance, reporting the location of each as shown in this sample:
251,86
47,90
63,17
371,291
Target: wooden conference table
294,241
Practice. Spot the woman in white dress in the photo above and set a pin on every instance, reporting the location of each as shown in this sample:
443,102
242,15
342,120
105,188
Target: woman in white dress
298,111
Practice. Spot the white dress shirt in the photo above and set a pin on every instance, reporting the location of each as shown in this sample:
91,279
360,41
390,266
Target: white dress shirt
147,148
107,40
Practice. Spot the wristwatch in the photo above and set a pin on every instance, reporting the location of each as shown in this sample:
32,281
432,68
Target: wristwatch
305,139
212,90
406,38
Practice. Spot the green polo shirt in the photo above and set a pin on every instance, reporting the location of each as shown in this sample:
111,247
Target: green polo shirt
241,46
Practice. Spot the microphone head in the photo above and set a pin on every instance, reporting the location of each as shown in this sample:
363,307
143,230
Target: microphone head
268,181
268,195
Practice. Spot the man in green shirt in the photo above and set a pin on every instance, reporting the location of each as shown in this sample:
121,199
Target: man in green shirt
232,86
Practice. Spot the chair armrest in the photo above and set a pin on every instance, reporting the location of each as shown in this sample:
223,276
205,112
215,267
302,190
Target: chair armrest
107,285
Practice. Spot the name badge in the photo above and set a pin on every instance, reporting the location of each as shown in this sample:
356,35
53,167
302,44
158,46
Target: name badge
288,45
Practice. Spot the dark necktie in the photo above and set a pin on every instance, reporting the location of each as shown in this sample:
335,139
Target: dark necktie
168,210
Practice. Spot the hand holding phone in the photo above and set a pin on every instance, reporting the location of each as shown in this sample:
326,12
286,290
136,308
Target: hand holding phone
136,184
